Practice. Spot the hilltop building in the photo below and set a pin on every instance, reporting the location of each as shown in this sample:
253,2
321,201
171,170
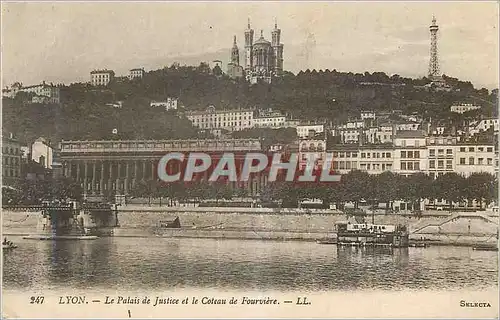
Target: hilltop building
136,73
101,77
231,120
42,93
464,107
263,59
234,70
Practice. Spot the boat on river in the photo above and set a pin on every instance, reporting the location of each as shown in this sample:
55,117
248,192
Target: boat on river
369,234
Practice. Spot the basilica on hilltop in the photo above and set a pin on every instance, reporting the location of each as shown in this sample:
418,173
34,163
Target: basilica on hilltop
263,59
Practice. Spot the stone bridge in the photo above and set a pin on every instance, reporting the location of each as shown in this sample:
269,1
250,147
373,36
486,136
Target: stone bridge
71,219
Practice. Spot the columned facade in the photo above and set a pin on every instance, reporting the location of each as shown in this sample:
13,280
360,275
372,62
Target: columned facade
104,168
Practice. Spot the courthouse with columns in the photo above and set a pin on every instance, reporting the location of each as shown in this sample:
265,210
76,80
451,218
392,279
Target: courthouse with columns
116,166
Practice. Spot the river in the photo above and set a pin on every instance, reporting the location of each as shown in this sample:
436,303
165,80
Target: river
168,263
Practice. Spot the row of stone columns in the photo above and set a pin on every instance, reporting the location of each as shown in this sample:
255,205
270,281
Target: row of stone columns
99,177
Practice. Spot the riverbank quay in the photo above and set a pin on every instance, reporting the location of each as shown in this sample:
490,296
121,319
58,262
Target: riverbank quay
433,228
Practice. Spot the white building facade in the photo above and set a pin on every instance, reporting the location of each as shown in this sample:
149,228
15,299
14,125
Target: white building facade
101,77
136,73
304,131
168,104
231,120
42,153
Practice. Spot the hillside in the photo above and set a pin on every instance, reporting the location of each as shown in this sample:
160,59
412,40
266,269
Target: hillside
310,95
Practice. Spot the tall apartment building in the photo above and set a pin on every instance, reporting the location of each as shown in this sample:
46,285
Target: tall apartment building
312,149
11,161
410,152
447,154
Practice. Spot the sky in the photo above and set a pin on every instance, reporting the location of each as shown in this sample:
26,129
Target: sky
62,42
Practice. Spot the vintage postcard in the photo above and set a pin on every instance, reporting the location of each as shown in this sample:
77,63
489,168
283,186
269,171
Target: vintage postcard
250,159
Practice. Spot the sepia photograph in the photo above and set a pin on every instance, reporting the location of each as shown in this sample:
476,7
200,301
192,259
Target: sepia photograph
224,159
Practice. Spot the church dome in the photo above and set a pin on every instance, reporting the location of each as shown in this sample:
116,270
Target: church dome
262,42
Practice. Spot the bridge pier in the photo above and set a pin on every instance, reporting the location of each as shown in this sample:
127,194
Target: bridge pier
73,220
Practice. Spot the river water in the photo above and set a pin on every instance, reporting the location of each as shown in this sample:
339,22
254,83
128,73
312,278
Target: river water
163,264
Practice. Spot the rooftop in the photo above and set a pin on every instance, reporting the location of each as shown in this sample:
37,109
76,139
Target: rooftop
410,134
102,71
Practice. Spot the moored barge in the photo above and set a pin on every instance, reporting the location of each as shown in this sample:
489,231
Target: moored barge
367,234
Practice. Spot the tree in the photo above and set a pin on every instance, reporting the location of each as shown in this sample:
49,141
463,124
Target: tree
221,191
480,186
415,188
386,188
145,189
357,186
240,192
450,187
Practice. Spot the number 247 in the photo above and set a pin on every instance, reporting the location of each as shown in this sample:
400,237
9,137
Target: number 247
36,300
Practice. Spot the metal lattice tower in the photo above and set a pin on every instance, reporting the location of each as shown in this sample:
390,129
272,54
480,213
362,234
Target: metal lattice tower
434,62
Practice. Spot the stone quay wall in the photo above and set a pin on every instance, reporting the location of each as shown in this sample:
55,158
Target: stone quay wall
274,224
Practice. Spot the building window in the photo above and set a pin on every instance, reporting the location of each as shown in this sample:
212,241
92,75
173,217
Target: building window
432,152
403,165
449,164
432,164
449,151
480,149
471,160
489,161
403,154
489,149
462,160
462,149
480,161
410,154
471,149
440,164
440,152
416,154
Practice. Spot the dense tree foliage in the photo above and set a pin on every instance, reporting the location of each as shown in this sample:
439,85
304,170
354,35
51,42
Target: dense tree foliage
35,192
356,187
